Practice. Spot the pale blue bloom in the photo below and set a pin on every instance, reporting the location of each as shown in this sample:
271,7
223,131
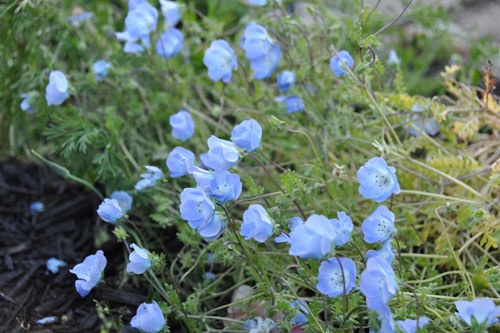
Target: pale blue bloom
292,224
170,43
312,239
220,61
100,69
110,211
124,200
149,178
149,318
77,19
57,89
259,325
386,322
483,310
393,58
89,272
379,226
247,135
132,44
196,207
410,325
422,123
139,260
213,229
26,102
53,265
255,41
180,162
335,277
171,11
222,154
343,227
293,103
256,224
285,80
301,317
341,61
378,283
182,125
202,177
225,186
209,276
385,252
264,66
257,2
377,180
141,20
36,207
132,4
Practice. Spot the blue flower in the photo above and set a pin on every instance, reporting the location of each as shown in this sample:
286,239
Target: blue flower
26,102
53,265
255,41
256,224
285,80
301,317
36,207
149,318
89,272
203,178
422,123
335,277
110,211
100,69
170,43
171,11
209,276
182,125
139,260
180,162
312,239
379,226
386,322
220,61
340,61
393,58
385,252
257,2
247,135
264,66
410,325
141,20
149,178
222,154
258,325
225,186
132,4
213,229
131,44
378,283
292,223
482,310
293,103
377,180
124,200
196,207
343,228
57,89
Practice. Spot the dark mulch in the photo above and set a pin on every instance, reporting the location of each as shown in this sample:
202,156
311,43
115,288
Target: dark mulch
65,230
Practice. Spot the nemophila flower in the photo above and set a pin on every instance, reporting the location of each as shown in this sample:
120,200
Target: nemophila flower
149,318
482,310
264,66
410,325
255,41
301,317
180,162
385,252
422,123
132,4
247,135
293,103
196,207
100,69
393,58
213,229
225,186
292,224
53,265
220,61
171,11
386,324
209,276
170,43
132,44
141,20
26,102
379,226
36,207
343,227
57,89
202,177
378,283
312,239
89,272
124,200
110,211
340,62
222,154
285,80
336,276
377,180
182,125
79,18
256,224
259,325
139,260
257,2
149,178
